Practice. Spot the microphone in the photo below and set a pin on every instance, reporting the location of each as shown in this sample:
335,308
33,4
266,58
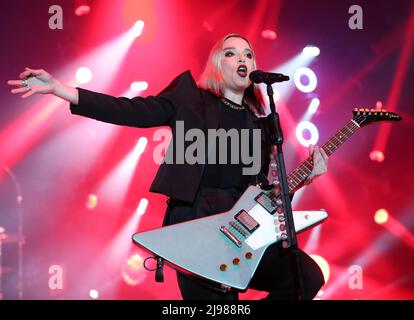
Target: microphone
268,78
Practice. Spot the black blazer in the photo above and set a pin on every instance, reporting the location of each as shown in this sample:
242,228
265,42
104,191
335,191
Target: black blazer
181,100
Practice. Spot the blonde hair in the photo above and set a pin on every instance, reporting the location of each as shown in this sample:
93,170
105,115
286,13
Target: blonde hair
213,81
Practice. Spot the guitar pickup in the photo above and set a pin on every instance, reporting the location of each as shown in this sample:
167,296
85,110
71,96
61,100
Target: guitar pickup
247,221
266,203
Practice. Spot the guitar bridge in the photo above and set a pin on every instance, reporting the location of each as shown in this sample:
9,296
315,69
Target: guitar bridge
231,236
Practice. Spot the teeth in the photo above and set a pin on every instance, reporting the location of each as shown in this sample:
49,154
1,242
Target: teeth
242,68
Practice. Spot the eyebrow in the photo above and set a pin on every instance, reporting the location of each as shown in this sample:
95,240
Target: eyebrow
248,49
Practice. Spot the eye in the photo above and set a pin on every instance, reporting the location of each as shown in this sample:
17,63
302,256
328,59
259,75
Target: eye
228,54
249,55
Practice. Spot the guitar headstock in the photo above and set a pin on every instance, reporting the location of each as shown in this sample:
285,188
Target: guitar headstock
367,116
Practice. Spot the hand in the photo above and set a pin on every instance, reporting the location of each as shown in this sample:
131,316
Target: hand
34,81
320,163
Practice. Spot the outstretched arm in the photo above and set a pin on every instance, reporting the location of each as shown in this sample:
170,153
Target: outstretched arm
144,112
34,81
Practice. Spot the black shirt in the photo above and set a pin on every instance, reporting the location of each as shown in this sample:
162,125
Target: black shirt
228,173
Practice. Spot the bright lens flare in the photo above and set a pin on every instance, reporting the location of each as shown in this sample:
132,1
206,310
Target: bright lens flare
141,144
92,201
306,126
94,294
142,207
311,51
377,156
311,77
83,75
139,86
138,28
381,216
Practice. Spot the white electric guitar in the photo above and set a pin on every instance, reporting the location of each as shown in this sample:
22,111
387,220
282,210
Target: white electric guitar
227,247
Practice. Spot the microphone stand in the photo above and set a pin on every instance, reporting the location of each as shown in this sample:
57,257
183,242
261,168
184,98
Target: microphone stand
290,226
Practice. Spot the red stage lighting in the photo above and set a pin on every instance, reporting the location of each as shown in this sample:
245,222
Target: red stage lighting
92,201
82,10
376,155
269,34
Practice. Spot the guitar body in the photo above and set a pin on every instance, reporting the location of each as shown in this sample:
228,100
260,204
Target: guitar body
227,248
200,247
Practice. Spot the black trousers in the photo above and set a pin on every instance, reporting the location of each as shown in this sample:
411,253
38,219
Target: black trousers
274,273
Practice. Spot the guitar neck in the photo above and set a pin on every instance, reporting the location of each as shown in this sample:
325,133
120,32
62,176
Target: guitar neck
299,175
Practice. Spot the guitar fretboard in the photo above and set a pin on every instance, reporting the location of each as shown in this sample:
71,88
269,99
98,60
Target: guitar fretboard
297,176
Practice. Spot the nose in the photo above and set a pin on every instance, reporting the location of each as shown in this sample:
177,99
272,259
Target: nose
241,58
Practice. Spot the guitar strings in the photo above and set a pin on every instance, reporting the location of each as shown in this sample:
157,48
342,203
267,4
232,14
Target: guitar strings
309,160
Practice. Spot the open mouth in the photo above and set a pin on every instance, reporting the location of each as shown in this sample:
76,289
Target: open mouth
242,70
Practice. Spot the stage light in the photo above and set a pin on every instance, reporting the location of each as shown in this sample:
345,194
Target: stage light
313,106
92,201
276,95
133,271
324,265
138,28
139,86
82,10
269,34
376,155
94,294
207,26
141,144
2,236
378,105
313,131
310,75
311,51
142,207
83,75
381,216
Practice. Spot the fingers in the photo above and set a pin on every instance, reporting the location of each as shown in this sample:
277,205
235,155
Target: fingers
311,149
320,160
25,74
28,94
29,72
15,82
316,151
324,155
19,90
320,163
